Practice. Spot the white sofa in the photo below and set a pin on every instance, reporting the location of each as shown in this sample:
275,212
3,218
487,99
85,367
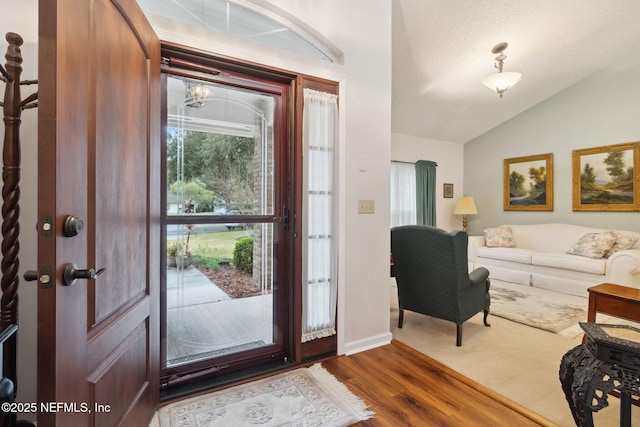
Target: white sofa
540,259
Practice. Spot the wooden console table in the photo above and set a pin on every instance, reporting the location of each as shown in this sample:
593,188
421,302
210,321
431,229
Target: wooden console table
616,300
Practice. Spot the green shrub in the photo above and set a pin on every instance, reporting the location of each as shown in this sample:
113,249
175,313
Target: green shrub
243,255
206,262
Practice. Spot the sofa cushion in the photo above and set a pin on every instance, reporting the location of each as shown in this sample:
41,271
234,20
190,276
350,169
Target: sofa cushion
570,262
623,242
499,237
594,245
520,255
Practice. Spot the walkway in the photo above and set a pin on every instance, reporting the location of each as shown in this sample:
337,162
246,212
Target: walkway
203,321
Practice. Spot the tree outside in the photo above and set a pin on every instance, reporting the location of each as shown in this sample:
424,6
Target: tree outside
217,172
217,169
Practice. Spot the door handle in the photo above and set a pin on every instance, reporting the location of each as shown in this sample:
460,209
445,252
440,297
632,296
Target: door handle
71,273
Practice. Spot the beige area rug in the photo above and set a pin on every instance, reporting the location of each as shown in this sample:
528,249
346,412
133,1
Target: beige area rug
513,359
543,309
302,397
520,305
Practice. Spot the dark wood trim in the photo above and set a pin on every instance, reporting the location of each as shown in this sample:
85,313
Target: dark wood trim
47,54
322,346
237,74
163,229
229,67
290,86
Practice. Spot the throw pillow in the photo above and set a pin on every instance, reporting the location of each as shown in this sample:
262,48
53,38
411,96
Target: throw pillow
594,245
500,237
623,242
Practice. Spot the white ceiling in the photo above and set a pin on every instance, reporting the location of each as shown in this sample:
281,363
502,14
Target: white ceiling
442,50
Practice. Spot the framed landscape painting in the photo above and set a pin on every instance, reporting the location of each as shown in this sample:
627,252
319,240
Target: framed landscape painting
528,183
606,178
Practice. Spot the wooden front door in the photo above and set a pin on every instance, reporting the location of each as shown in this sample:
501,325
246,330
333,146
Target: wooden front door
98,161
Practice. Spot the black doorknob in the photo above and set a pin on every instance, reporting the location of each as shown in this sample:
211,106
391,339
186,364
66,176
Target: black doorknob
71,273
72,226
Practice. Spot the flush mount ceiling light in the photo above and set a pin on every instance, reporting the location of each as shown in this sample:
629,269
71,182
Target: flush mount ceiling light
501,81
196,95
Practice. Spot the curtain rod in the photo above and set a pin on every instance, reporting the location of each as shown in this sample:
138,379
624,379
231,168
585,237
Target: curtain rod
408,163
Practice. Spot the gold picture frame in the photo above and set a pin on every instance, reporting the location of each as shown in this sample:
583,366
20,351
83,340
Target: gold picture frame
528,183
607,178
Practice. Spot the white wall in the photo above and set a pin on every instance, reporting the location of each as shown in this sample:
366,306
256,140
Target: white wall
449,157
25,22
602,109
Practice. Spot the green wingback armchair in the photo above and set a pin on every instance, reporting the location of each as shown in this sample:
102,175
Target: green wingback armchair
432,274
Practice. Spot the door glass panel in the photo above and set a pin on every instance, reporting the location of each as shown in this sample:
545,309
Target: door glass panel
219,149
220,230
217,305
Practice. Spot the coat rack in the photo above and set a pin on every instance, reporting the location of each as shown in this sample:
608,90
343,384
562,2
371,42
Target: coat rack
13,106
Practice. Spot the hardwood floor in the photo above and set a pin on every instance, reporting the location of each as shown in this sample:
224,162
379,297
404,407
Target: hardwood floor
405,387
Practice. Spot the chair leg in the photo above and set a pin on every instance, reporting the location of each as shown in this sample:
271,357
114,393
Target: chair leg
458,334
486,313
400,318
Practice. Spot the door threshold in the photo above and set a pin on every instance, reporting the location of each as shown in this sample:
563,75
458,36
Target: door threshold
211,383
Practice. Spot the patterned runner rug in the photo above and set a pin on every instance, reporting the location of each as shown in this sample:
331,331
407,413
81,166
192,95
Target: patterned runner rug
306,396
539,311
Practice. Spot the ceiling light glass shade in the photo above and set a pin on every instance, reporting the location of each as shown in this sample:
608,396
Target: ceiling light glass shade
500,82
196,95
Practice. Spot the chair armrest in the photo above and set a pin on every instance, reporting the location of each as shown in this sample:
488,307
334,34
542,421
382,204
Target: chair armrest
475,242
478,276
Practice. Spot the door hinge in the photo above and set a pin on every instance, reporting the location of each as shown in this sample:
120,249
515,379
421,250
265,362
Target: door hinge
285,218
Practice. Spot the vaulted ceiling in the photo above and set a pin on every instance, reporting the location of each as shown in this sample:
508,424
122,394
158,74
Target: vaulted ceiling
442,50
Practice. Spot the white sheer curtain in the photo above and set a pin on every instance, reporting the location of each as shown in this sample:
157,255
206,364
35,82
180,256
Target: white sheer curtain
319,290
403,193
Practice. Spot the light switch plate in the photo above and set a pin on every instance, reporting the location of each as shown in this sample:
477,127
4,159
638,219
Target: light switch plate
366,206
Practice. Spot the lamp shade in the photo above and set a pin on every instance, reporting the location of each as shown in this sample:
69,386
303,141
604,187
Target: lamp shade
465,206
500,82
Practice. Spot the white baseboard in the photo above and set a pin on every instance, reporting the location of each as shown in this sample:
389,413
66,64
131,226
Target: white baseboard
366,344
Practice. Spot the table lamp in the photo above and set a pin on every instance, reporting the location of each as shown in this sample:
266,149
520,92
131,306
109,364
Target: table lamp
465,206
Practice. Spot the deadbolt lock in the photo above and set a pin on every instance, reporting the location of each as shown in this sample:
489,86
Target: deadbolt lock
72,226
45,277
